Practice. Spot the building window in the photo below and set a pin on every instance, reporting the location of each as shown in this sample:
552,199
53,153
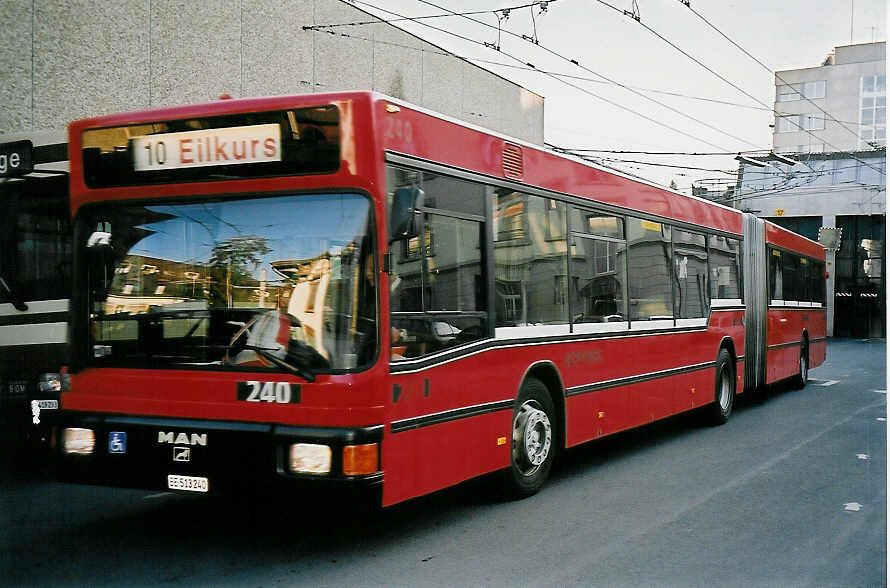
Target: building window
788,92
812,148
787,124
872,112
805,90
812,122
799,122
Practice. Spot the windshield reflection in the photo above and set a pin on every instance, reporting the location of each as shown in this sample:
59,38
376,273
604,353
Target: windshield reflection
285,283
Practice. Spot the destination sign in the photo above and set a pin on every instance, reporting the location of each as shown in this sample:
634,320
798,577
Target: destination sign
207,147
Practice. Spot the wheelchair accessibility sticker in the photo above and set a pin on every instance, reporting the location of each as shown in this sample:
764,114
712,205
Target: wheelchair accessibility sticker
117,442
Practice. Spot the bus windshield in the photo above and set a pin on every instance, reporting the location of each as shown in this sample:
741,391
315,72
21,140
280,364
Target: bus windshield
285,283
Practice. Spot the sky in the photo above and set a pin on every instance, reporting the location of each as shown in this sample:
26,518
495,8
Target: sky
786,34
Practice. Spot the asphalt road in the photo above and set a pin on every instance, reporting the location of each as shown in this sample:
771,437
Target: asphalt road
791,492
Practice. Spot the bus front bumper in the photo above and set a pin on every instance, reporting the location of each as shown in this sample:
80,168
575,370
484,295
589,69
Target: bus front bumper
215,457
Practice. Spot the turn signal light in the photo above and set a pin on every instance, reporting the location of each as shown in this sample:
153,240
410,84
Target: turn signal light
360,459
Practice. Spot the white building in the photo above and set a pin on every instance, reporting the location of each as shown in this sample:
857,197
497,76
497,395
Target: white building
831,119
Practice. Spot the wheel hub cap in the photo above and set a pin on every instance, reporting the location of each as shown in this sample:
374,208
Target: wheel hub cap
532,437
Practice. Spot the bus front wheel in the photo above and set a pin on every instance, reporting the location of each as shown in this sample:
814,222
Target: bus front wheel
533,440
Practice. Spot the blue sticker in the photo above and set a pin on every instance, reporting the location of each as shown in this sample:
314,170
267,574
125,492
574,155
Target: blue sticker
117,442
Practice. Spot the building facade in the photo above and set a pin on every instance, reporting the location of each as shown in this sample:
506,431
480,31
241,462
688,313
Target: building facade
66,60
831,121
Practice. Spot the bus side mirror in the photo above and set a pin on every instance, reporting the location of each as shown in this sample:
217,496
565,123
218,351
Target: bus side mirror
100,253
99,240
404,218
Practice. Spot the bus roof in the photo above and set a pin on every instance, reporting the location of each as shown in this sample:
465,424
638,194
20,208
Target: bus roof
415,132
782,237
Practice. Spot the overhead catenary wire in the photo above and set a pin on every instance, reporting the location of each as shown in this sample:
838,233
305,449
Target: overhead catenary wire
641,89
766,67
778,114
635,15
847,187
579,150
508,9
575,86
675,46
532,67
631,161
554,147
528,68
576,63
804,179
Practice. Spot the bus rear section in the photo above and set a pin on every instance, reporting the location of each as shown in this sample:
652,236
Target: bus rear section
786,312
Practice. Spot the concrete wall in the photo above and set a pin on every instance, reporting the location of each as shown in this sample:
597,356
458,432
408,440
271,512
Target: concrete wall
67,59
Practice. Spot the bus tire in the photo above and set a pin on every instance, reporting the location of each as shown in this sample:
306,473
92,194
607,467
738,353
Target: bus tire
800,380
717,413
533,440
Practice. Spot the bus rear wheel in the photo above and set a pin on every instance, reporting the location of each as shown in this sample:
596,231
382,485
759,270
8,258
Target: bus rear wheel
533,440
800,380
718,412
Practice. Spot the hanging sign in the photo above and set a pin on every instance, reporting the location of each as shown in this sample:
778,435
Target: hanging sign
16,158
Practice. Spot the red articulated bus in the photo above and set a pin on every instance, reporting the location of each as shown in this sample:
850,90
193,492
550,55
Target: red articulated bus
347,289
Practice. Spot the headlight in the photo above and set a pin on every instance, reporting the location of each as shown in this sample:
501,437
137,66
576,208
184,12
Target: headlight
78,441
309,458
54,382
49,383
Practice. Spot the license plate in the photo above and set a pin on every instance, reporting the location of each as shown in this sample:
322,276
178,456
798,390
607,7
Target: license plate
48,404
188,483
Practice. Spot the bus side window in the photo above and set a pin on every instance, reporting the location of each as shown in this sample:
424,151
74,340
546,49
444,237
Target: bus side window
775,275
725,268
440,270
649,270
690,281
531,267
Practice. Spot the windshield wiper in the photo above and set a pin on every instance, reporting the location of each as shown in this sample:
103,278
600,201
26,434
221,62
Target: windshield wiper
297,370
16,300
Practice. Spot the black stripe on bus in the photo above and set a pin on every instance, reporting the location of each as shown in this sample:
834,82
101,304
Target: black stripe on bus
492,343
783,345
586,388
449,415
34,350
796,343
34,318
